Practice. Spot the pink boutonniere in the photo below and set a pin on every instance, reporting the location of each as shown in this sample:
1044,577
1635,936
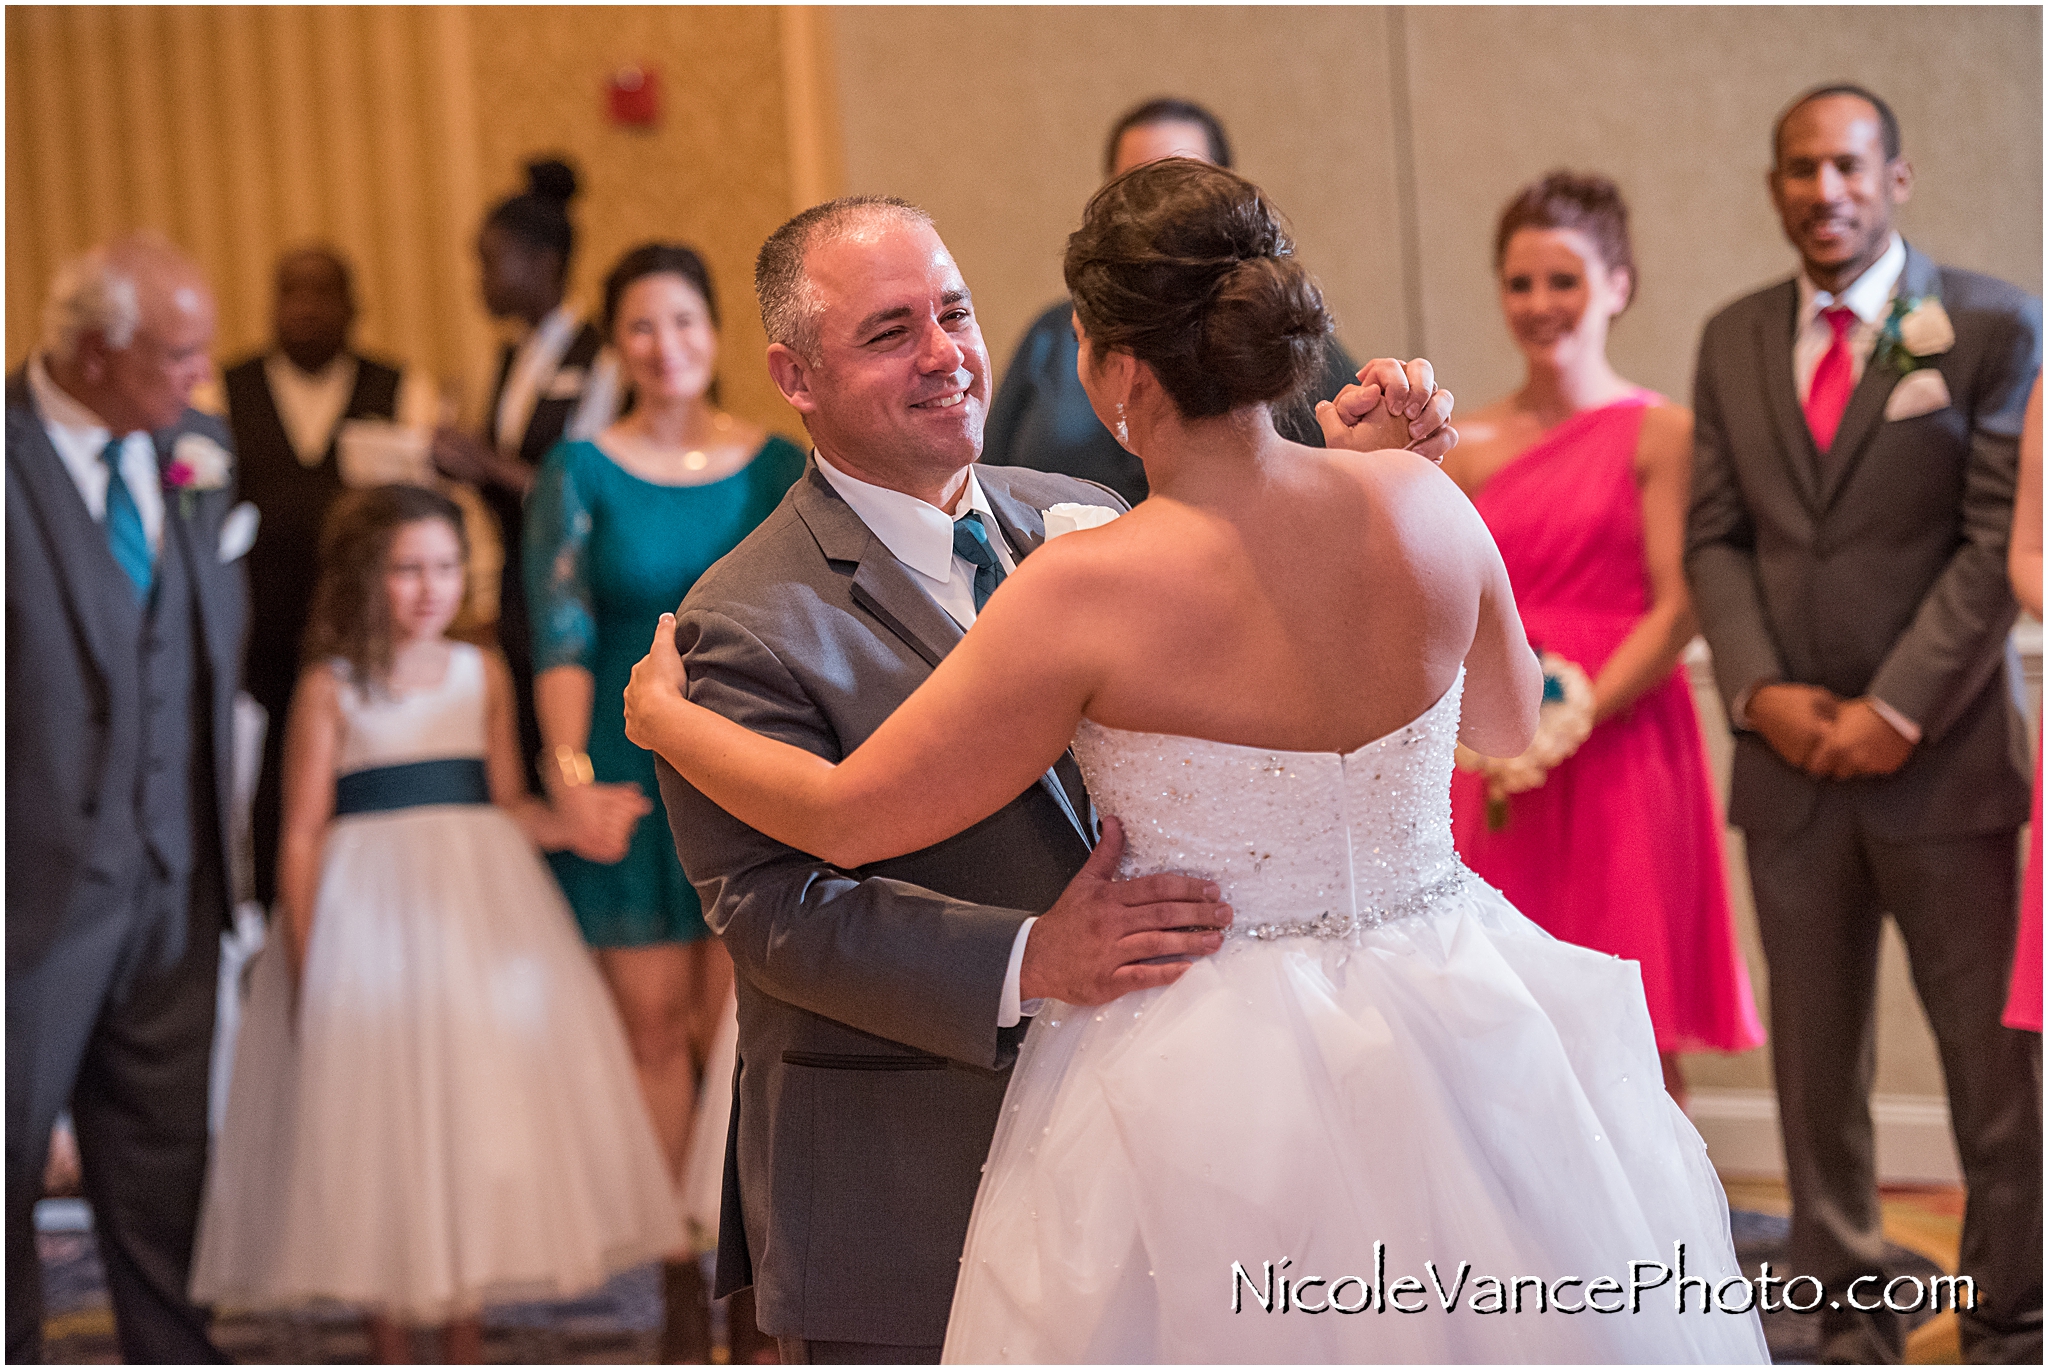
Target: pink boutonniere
198,463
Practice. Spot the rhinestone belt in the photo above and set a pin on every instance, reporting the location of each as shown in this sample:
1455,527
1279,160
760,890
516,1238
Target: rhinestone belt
1329,926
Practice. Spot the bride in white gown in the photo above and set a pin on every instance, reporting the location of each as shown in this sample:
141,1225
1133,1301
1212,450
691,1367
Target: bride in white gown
1389,1119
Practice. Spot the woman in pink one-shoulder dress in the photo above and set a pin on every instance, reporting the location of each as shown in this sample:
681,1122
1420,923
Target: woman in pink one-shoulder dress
2023,1004
1582,478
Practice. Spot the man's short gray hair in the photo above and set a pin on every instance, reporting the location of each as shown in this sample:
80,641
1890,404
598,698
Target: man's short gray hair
91,294
789,303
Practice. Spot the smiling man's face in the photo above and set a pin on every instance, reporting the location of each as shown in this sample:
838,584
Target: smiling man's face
898,392
1834,188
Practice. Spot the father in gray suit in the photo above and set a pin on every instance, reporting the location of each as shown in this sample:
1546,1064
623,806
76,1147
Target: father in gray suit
881,1009
1855,459
124,634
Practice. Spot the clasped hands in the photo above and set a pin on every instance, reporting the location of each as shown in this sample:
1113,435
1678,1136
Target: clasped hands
1824,735
1393,405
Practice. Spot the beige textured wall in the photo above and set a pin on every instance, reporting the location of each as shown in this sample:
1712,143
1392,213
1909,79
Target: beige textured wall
1676,104
1394,198
1004,140
388,131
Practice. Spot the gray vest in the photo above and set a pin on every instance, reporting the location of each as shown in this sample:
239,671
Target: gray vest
169,777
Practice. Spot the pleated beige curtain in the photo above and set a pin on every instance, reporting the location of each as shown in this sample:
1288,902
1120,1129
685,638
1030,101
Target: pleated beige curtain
240,131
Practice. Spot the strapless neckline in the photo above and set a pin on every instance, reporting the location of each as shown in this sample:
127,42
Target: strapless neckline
1451,695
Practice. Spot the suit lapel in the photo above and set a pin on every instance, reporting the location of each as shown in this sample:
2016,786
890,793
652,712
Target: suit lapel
1022,525
884,588
79,545
201,559
1861,420
881,584
1775,325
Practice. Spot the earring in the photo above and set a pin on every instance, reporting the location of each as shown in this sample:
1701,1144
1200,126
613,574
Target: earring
1123,431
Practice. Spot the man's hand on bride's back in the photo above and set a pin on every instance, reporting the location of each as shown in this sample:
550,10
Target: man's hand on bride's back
1393,405
1093,945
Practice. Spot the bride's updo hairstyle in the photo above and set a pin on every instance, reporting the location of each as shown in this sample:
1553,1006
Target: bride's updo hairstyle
1188,267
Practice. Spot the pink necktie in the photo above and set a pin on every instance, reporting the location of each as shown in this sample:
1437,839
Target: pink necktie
1833,379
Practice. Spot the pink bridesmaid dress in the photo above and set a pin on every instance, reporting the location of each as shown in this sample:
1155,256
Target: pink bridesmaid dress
2023,1003
1620,849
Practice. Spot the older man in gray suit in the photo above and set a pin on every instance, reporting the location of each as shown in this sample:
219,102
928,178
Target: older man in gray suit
124,633
1856,446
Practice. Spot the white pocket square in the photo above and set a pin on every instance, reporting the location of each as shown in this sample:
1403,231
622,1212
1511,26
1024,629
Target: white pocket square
1918,392
238,531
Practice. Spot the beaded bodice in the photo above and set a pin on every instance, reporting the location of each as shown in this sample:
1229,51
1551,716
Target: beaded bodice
1303,843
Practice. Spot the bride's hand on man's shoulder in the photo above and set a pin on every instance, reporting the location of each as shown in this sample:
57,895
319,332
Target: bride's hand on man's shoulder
1393,405
658,681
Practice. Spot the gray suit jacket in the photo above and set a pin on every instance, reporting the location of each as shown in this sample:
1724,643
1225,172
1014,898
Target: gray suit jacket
72,697
871,1068
1887,577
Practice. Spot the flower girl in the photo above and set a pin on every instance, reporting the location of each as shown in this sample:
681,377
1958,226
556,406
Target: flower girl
432,1106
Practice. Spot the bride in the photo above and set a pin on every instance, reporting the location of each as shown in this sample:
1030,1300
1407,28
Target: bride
1390,1119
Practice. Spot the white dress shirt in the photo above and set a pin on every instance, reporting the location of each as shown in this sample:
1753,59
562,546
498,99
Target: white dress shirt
79,435
310,404
920,536
535,364
1869,298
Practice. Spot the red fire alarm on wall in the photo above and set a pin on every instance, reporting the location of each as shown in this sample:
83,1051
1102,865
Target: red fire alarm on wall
633,97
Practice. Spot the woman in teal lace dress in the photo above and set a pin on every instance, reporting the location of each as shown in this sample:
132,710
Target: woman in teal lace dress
617,530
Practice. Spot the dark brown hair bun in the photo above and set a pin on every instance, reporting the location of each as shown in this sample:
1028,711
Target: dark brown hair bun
1188,267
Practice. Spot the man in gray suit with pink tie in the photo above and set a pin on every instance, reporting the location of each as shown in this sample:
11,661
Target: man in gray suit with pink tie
1856,452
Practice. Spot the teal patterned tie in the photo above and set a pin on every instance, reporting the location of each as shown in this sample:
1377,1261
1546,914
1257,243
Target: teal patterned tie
125,535
971,544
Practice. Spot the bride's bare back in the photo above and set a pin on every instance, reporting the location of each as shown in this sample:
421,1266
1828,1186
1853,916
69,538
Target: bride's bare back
1323,601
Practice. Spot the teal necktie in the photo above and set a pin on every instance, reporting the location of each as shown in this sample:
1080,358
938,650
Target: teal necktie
971,544
125,535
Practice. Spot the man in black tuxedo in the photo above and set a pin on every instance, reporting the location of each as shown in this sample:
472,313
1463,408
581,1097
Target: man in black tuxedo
124,637
1856,450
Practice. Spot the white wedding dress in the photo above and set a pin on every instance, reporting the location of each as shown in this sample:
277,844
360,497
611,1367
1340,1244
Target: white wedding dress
1383,1052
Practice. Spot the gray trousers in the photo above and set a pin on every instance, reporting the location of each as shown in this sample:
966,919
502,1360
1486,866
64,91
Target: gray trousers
1821,897
104,1023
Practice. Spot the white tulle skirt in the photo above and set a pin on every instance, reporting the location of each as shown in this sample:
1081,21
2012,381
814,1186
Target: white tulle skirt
1456,1088
451,1117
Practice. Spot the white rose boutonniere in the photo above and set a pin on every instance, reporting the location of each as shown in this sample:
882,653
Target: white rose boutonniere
1072,518
1916,330
198,463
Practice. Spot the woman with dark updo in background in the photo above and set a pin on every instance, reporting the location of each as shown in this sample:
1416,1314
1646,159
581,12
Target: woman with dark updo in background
543,390
1582,478
1263,671
618,528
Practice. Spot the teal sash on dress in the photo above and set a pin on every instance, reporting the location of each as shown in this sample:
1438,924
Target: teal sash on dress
457,780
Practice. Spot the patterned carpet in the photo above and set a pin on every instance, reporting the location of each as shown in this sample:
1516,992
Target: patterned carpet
620,1324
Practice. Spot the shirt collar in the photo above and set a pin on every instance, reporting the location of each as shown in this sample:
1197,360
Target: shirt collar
552,334
59,408
1867,296
918,534
340,366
